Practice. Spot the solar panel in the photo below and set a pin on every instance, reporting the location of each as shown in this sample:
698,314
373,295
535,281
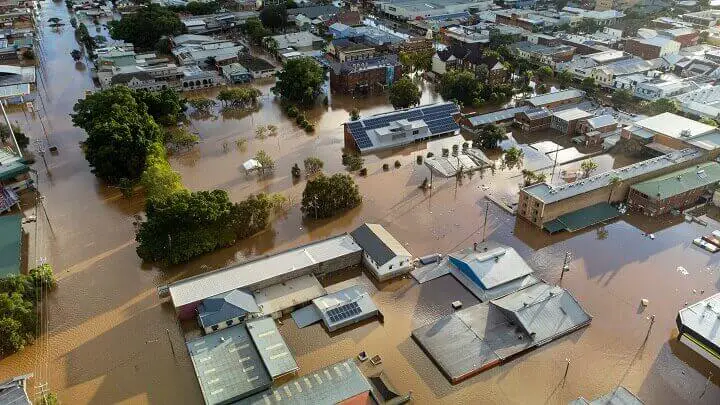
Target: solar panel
344,311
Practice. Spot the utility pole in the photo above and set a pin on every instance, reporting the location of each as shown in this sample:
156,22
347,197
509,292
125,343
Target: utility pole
707,382
40,149
566,265
567,367
487,208
652,321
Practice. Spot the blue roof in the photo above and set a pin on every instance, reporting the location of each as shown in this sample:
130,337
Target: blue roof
226,306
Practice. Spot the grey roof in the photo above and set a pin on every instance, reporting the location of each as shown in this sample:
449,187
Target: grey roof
12,391
703,318
345,307
552,193
630,66
619,396
226,306
545,99
306,316
330,385
378,243
601,121
571,114
227,365
313,11
496,116
273,350
260,270
545,312
493,267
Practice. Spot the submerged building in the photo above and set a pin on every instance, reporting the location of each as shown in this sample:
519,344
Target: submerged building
383,255
699,326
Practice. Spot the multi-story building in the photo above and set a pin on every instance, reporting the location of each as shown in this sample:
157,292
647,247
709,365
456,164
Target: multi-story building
610,75
664,88
652,48
704,18
415,9
367,76
546,55
685,36
703,102
566,121
534,119
345,50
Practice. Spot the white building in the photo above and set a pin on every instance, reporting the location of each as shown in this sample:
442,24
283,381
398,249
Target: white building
664,88
413,9
383,255
703,102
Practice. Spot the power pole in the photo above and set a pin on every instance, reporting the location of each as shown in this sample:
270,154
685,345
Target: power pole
566,265
487,208
40,149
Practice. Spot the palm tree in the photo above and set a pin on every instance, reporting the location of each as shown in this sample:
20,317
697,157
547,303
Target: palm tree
614,182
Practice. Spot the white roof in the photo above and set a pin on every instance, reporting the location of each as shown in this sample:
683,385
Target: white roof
673,125
548,98
251,273
572,114
251,165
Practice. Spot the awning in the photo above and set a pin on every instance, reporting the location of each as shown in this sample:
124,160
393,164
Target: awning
306,316
582,218
12,170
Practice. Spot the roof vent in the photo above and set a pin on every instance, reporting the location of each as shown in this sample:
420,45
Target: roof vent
685,133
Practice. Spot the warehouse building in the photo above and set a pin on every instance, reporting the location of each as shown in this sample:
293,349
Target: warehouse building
674,191
699,324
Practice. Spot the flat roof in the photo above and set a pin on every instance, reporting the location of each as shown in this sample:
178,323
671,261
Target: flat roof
703,318
288,294
674,125
274,352
330,385
545,99
582,218
345,307
553,193
251,273
680,181
10,244
571,114
227,365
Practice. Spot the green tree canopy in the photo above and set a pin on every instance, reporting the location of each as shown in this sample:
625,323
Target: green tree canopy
165,106
489,136
22,139
186,224
273,17
146,26
589,86
659,106
544,73
622,98
404,93
300,81
255,29
564,78
461,85
326,196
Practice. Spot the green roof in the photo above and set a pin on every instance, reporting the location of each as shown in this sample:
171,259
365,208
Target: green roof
582,218
10,241
12,170
680,181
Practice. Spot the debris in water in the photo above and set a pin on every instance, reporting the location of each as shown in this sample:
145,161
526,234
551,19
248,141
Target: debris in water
652,236
362,356
682,270
456,304
694,291
376,360
644,302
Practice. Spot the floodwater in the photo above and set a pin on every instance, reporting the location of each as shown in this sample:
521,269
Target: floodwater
111,340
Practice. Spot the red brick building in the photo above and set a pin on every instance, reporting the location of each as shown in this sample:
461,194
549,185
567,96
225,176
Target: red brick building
651,48
534,119
371,76
685,36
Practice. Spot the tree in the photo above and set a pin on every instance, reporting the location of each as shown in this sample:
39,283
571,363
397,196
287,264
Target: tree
588,166
83,36
417,60
589,86
541,88
159,179
186,224
313,165
146,26
704,4
614,183
239,97
703,37
404,93
165,106
460,85
22,139
709,121
120,133
513,157
324,196
179,138
76,55
354,114
273,17
659,106
266,162
202,104
564,78
530,177
489,136
48,399
255,30
300,81
622,98
544,73
354,162
18,321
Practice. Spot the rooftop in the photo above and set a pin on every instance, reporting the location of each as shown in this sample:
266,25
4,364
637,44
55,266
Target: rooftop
675,126
602,121
345,307
496,116
491,268
301,39
227,365
330,385
378,243
256,271
10,244
571,114
703,318
680,181
619,396
13,391
226,306
549,98
273,350
552,193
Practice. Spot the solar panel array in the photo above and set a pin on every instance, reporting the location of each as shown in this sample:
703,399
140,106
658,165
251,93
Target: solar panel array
344,311
437,117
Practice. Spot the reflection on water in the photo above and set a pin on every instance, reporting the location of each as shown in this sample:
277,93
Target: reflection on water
110,337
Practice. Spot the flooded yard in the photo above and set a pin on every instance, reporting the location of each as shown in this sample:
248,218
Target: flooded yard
111,340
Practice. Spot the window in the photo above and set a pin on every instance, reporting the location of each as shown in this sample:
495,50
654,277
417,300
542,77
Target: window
415,132
390,267
229,322
214,327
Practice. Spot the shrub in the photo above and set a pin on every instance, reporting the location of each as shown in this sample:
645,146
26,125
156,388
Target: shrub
397,164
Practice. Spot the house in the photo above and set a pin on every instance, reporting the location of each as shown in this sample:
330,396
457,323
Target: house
225,310
383,255
674,191
566,121
10,245
651,48
236,73
402,127
698,324
369,76
555,99
345,50
534,119
14,390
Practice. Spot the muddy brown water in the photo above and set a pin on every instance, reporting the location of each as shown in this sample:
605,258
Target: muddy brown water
110,339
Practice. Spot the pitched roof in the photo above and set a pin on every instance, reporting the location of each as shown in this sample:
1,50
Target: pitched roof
377,242
561,95
491,268
12,391
680,181
226,306
273,350
602,121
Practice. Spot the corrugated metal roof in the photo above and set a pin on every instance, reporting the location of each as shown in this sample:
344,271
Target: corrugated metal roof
571,114
345,307
226,306
12,391
491,267
251,273
328,385
602,121
703,318
274,352
680,181
496,116
548,98
227,365
288,294
378,243
306,316
619,396
544,311
10,244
